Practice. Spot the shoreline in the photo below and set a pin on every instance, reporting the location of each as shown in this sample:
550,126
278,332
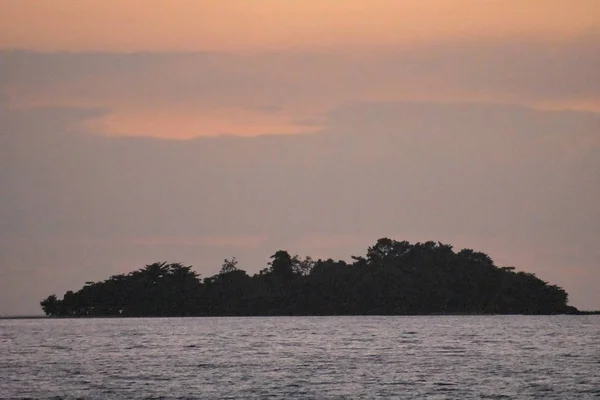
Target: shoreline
18,317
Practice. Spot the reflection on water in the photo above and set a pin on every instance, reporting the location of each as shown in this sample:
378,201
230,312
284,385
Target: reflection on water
550,357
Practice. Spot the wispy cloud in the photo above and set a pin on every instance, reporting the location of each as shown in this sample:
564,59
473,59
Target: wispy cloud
205,94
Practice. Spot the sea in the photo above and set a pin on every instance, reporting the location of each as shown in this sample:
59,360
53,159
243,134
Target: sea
351,357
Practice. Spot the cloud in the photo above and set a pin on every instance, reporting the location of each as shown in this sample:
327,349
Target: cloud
203,94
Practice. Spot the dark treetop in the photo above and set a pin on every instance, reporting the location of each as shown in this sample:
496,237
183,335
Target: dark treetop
393,278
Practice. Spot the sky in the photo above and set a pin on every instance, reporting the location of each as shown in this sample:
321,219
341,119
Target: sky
134,131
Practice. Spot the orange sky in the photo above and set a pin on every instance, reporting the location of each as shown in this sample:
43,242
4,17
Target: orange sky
355,34
191,25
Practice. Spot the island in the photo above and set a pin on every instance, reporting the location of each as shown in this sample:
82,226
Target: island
393,278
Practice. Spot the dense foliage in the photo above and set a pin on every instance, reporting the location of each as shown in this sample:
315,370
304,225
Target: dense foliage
393,278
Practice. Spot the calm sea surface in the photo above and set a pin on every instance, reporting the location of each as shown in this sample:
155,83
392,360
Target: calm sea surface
445,357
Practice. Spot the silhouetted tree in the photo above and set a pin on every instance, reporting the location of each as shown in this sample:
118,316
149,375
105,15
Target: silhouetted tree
50,305
282,266
392,278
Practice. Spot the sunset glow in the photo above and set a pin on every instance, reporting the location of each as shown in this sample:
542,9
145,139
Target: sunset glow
155,25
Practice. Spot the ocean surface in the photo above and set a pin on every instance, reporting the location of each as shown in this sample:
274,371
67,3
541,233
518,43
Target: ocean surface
436,357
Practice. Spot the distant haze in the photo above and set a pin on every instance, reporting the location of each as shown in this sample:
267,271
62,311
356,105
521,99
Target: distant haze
134,132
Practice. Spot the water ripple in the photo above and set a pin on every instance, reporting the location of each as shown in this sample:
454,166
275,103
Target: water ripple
302,357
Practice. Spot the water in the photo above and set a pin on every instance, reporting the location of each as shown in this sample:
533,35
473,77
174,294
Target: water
303,357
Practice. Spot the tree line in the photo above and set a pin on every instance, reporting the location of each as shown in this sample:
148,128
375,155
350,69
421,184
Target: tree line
393,278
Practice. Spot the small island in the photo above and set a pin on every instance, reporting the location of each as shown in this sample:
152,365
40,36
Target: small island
394,278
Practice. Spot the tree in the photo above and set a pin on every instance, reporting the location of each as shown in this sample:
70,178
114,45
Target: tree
282,266
229,266
394,278
50,305
302,267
